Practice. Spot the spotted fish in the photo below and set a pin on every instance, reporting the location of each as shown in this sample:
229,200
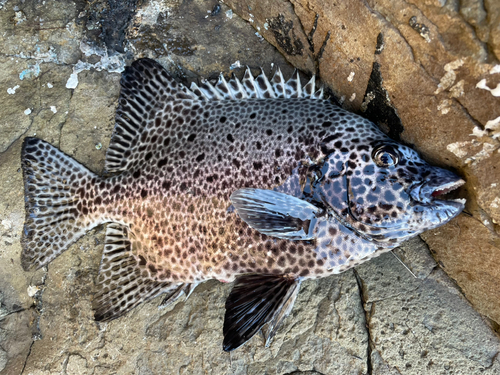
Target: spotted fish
262,182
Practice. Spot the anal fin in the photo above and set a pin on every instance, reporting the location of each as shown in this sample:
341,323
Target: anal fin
123,283
257,300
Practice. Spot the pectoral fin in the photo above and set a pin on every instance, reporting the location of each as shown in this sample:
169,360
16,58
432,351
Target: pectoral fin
254,301
276,214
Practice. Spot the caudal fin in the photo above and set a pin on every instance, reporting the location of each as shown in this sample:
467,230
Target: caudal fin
55,188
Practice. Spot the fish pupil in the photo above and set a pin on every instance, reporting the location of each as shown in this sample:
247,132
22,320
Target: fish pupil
385,156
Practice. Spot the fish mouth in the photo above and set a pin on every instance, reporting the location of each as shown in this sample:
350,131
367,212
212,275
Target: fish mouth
432,193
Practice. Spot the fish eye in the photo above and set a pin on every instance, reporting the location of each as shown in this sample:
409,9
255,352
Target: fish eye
385,156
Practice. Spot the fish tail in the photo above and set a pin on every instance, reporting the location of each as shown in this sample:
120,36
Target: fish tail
57,201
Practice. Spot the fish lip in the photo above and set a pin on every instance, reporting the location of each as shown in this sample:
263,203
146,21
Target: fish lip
429,193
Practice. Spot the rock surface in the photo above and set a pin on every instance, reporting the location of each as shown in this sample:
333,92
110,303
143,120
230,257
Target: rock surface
411,66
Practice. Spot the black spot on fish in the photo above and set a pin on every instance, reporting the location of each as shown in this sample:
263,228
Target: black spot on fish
162,162
332,137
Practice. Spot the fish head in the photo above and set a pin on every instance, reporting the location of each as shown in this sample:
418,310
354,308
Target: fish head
386,192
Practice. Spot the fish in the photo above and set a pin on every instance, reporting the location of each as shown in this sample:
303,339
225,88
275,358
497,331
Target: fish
261,182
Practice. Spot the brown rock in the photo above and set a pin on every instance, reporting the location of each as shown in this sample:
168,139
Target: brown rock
468,252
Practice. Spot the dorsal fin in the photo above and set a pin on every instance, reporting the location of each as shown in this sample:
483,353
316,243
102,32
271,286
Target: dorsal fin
279,83
293,87
259,87
144,85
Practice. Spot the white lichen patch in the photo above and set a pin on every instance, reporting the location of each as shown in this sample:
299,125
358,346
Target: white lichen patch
495,69
482,85
12,91
450,76
6,224
235,65
472,151
351,76
149,14
495,203
112,64
459,149
368,98
444,106
72,82
19,17
33,290
491,129
485,153
458,90
32,72
353,96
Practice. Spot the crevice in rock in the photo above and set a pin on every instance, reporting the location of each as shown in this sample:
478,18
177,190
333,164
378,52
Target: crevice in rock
467,113
37,306
61,125
488,43
308,372
40,60
490,55
362,297
2,317
379,108
493,359
27,357
310,36
323,46
393,27
21,135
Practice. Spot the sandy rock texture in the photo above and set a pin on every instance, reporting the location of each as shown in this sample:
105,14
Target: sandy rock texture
426,72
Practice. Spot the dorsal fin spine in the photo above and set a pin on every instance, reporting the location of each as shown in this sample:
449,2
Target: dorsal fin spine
259,87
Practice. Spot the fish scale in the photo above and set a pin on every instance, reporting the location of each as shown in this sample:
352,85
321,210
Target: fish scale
262,182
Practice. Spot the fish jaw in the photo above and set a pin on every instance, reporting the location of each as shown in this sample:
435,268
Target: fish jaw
428,197
427,192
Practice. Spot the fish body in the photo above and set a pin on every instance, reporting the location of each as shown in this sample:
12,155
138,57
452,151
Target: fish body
260,181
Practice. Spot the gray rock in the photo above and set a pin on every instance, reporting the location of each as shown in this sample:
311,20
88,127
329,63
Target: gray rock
423,325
